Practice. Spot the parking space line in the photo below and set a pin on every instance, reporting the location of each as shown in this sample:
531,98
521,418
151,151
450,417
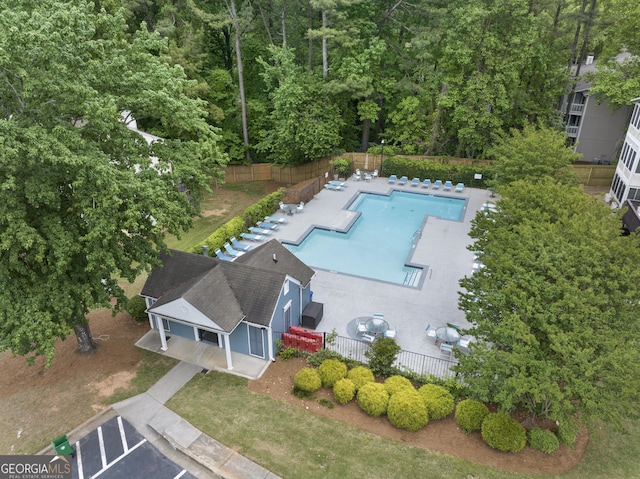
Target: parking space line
125,447
79,460
182,473
117,459
103,453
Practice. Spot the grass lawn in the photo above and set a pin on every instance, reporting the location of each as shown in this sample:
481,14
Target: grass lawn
292,442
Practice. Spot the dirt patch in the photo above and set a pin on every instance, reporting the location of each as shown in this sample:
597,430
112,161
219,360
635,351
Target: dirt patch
442,436
111,384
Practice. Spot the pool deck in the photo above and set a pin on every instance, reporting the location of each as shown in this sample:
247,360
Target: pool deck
442,246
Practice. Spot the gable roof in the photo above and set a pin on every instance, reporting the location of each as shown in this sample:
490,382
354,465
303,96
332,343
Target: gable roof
208,292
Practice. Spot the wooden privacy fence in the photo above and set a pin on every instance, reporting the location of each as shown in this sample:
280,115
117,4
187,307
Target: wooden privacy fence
320,171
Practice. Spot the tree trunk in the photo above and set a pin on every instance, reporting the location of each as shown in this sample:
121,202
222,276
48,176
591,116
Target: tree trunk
86,344
284,23
243,102
325,56
366,128
309,27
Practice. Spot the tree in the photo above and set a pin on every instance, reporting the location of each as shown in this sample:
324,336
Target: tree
555,308
531,154
82,203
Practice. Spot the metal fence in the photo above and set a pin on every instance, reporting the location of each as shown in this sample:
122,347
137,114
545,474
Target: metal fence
407,361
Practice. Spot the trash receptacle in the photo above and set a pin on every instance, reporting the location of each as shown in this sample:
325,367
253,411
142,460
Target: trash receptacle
310,295
62,446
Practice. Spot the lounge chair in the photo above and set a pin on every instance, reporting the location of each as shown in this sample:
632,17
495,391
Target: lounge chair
259,231
275,219
338,183
437,184
459,187
239,246
300,207
232,252
393,179
447,185
426,183
415,182
251,237
222,256
267,226
331,187
391,333
403,180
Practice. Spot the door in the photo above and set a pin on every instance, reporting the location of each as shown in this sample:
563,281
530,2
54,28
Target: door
208,336
256,342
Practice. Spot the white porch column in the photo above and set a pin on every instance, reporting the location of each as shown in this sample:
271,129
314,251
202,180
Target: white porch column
270,343
163,336
196,336
227,350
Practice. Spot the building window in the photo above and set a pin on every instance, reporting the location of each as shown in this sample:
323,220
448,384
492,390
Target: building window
635,117
166,325
618,187
628,156
286,287
634,194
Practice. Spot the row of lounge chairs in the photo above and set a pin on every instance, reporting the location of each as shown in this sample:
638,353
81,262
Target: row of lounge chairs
448,185
256,233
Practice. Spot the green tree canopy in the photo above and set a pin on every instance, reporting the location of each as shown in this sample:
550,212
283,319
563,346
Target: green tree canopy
82,203
532,154
555,308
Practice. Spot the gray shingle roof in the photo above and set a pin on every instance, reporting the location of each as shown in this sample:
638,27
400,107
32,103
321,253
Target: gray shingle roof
227,292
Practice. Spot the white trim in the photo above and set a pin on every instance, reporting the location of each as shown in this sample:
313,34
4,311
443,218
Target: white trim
163,336
261,329
227,350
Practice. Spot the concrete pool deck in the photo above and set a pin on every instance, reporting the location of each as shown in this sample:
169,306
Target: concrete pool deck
442,246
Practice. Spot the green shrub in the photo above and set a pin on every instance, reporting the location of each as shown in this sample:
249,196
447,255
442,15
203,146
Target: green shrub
437,399
308,380
381,355
316,359
373,399
470,414
457,389
330,371
360,376
543,440
393,384
136,307
344,390
500,431
406,410
568,431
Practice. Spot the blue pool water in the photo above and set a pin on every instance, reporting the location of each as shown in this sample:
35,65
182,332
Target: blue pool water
378,244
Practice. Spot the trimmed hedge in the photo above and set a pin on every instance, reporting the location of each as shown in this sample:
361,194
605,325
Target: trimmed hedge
470,414
393,384
406,410
254,213
307,379
373,399
360,376
437,169
344,390
543,440
438,400
331,370
500,431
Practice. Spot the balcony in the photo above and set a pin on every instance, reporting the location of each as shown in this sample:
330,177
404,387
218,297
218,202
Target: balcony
577,108
572,131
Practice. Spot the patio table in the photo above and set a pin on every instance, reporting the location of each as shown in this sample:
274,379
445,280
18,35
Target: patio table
376,326
448,335
289,208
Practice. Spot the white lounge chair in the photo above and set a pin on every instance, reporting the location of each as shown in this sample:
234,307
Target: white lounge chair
275,219
259,231
239,246
426,183
415,182
232,252
459,187
447,186
251,236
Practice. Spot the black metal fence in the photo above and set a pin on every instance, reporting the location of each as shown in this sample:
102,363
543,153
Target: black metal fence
407,360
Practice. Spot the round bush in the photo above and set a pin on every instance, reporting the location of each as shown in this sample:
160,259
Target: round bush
330,371
307,379
373,399
438,400
406,410
543,440
470,414
344,390
394,384
360,376
500,431
136,307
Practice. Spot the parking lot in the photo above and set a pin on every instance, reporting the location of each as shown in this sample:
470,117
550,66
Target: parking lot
116,450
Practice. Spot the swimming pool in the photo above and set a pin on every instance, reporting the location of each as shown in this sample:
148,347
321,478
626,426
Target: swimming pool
379,244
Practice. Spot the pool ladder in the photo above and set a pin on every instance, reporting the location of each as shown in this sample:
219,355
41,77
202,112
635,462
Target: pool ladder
412,277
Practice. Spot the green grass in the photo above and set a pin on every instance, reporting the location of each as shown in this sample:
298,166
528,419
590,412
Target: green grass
292,442
152,367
